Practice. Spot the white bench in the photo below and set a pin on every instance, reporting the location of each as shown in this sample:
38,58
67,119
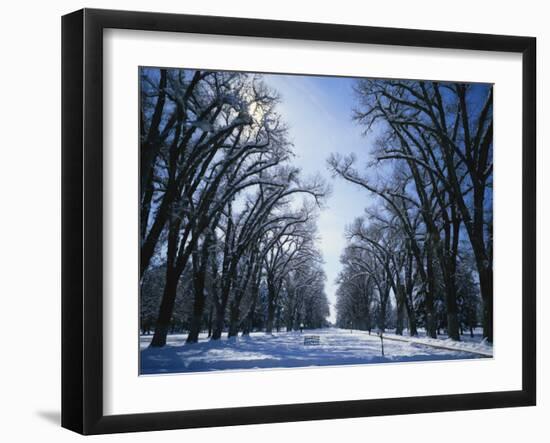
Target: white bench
312,340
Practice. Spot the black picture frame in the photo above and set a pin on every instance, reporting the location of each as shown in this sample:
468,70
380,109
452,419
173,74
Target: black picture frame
82,215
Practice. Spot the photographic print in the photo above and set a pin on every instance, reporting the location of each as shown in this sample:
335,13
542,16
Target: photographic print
293,221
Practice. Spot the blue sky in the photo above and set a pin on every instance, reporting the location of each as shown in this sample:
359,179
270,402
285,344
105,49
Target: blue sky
318,111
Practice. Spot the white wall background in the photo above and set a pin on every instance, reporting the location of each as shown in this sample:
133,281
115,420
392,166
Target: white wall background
30,221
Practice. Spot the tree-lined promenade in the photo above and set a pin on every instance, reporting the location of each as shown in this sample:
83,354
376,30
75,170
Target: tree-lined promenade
229,239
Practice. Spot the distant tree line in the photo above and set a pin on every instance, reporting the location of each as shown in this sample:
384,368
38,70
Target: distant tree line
227,223
422,256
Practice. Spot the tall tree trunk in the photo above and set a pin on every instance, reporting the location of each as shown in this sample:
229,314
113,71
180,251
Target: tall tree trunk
249,320
210,320
166,309
271,305
241,288
219,322
382,313
413,332
221,307
234,314
270,317
431,320
452,313
196,319
400,307
247,324
200,263
486,287
290,311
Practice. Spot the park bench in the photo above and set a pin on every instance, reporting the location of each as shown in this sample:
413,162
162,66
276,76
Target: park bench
312,340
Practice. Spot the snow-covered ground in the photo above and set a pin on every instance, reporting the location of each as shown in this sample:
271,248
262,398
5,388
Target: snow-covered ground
287,350
474,344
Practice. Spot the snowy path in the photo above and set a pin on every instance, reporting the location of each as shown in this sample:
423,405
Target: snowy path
286,350
480,349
